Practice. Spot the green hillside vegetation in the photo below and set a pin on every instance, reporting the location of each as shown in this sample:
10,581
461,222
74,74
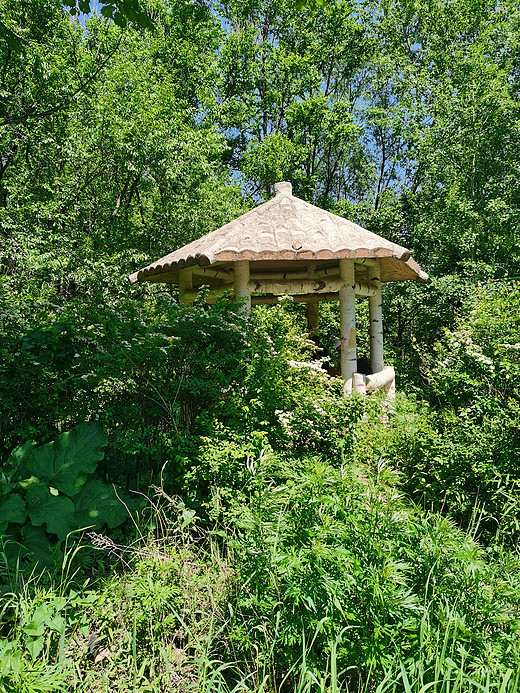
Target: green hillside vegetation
187,502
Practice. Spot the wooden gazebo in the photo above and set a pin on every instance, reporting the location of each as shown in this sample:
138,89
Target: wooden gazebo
288,246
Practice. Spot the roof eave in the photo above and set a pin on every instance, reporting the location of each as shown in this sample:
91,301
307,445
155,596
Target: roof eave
154,271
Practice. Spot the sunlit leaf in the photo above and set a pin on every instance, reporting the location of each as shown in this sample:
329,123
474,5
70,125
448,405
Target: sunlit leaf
66,462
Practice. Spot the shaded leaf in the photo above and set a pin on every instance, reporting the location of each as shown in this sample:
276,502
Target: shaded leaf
17,462
97,504
12,509
38,545
120,19
57,512
13,41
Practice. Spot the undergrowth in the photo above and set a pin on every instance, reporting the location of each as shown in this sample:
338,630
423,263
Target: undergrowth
292,540
323,580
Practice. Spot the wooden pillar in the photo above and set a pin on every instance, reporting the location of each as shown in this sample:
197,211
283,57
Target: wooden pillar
376,320
312,304
185,286
312,316
241,281
359,384
347,308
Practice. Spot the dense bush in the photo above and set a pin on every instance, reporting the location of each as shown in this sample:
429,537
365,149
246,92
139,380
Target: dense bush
461,456
315,578
125,364
278,546
329,557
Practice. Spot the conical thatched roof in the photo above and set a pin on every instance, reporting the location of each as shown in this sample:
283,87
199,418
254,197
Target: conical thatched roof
283,231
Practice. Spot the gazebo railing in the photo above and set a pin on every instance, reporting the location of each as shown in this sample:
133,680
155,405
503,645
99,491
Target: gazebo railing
383,380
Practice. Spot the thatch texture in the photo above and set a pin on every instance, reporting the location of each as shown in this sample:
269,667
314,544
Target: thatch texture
283,231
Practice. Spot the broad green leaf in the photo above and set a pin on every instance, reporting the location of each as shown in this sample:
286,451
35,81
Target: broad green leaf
34,628
35,646
13,41
57,512
47,616
38,545
144,21
66,462
120,19
132,15
12,509
97,504
16,465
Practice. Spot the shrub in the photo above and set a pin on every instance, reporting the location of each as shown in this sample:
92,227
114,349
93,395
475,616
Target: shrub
146,371
330,557
461,457
50,491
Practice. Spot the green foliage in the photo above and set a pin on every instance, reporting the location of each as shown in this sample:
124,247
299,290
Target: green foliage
120,11
57,512
476,366
462,456
416,316
389,112
40,625
288,111
474,373
150,374
324,578
330,557
221,479
278,397
48,486
102,140
67,461
276,564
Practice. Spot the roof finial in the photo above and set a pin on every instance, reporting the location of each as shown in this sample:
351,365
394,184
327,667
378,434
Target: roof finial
283,188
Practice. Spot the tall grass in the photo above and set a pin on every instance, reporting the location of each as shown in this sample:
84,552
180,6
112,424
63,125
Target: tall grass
322,581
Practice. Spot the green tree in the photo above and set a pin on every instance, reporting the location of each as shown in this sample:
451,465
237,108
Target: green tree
120,11
290,83
120,173
450,75
93,170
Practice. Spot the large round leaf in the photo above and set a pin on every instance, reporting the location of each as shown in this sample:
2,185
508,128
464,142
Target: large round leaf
97,505
66,462
39,547
57,512
16,465
12,509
